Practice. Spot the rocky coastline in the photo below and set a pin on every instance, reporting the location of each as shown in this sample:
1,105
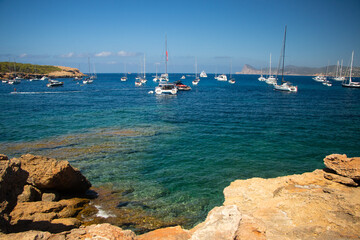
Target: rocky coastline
64,72
42,198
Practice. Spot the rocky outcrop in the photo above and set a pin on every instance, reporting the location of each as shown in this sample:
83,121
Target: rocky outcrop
66,72
344,166
57,175
30,186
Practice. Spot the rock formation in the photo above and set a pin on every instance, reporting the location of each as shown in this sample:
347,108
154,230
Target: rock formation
66,72
315,205
29,188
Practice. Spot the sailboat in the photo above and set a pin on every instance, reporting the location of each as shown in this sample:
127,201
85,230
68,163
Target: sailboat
231,80
339,76
164,86
271,79
197,79
285,86
327,82
350,83
261,78
156,78
143,79
124,78
89,79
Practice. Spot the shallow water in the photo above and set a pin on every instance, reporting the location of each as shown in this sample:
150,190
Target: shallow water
176,154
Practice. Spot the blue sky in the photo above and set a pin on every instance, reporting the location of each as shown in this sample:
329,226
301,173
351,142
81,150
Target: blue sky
113,33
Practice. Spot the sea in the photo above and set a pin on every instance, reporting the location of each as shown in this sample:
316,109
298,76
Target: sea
167,159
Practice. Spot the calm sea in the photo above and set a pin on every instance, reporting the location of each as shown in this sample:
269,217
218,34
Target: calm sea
176,154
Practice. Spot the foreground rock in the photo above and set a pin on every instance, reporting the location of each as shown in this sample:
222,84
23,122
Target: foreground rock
316,205
30,186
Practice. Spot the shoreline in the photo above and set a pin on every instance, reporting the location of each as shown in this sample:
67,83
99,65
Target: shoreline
323,203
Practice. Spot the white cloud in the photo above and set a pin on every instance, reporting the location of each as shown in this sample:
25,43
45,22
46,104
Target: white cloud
112,62
103,54
126,54
23,55
68,55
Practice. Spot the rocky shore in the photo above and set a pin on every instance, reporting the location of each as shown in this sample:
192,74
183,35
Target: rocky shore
41,198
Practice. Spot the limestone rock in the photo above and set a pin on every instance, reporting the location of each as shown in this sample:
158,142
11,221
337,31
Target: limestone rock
169,233
341,164
41,215
100,231
30,194
48,173
28,235
221,223
250,229
305,206
49,197
12,181
340,179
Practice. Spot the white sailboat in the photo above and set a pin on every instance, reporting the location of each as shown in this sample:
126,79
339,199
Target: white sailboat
339,76
231,80
203,74
350,83
261,78
156,78
271,79
197,79
143,79
89,79
285,86
164,86
327,82
124,78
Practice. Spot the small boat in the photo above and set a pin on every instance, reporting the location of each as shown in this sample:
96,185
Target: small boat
88,81
13,81
182,87
222,77
197,79
44,78
339,76
183,77
203,74
165,87
138,83
54,83
350,83
320,78
285,86
231,80
164,77
261,78
327,83
156,78
124,78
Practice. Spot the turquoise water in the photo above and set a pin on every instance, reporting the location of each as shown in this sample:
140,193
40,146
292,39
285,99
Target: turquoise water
176,154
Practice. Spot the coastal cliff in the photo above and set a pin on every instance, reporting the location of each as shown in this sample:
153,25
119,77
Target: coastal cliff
323,204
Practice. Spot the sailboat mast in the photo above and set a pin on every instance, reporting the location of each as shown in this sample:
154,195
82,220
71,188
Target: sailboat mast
195,67
144,65
283,62
166,54
89,65
341,67
352,59
270,66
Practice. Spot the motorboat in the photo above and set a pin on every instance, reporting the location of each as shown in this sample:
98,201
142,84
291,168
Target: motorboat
138,83
165,87
182,87
327,83
262,78
196,81
44,78
164,77
183,77
320,78
222,77
350,83
232,81
203,74
124,79
54,83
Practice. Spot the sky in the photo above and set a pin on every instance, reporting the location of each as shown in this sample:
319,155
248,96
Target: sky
115,35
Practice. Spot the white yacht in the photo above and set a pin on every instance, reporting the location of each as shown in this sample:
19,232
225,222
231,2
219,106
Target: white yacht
165,87
222,77
339,76
320,78
183,77
350,83
197,79
54,83
203,74
262,78
285,86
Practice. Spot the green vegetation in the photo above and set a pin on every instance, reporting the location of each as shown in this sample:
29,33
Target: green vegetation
9,67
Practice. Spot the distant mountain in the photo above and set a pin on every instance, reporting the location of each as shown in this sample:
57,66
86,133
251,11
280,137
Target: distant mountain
302,71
